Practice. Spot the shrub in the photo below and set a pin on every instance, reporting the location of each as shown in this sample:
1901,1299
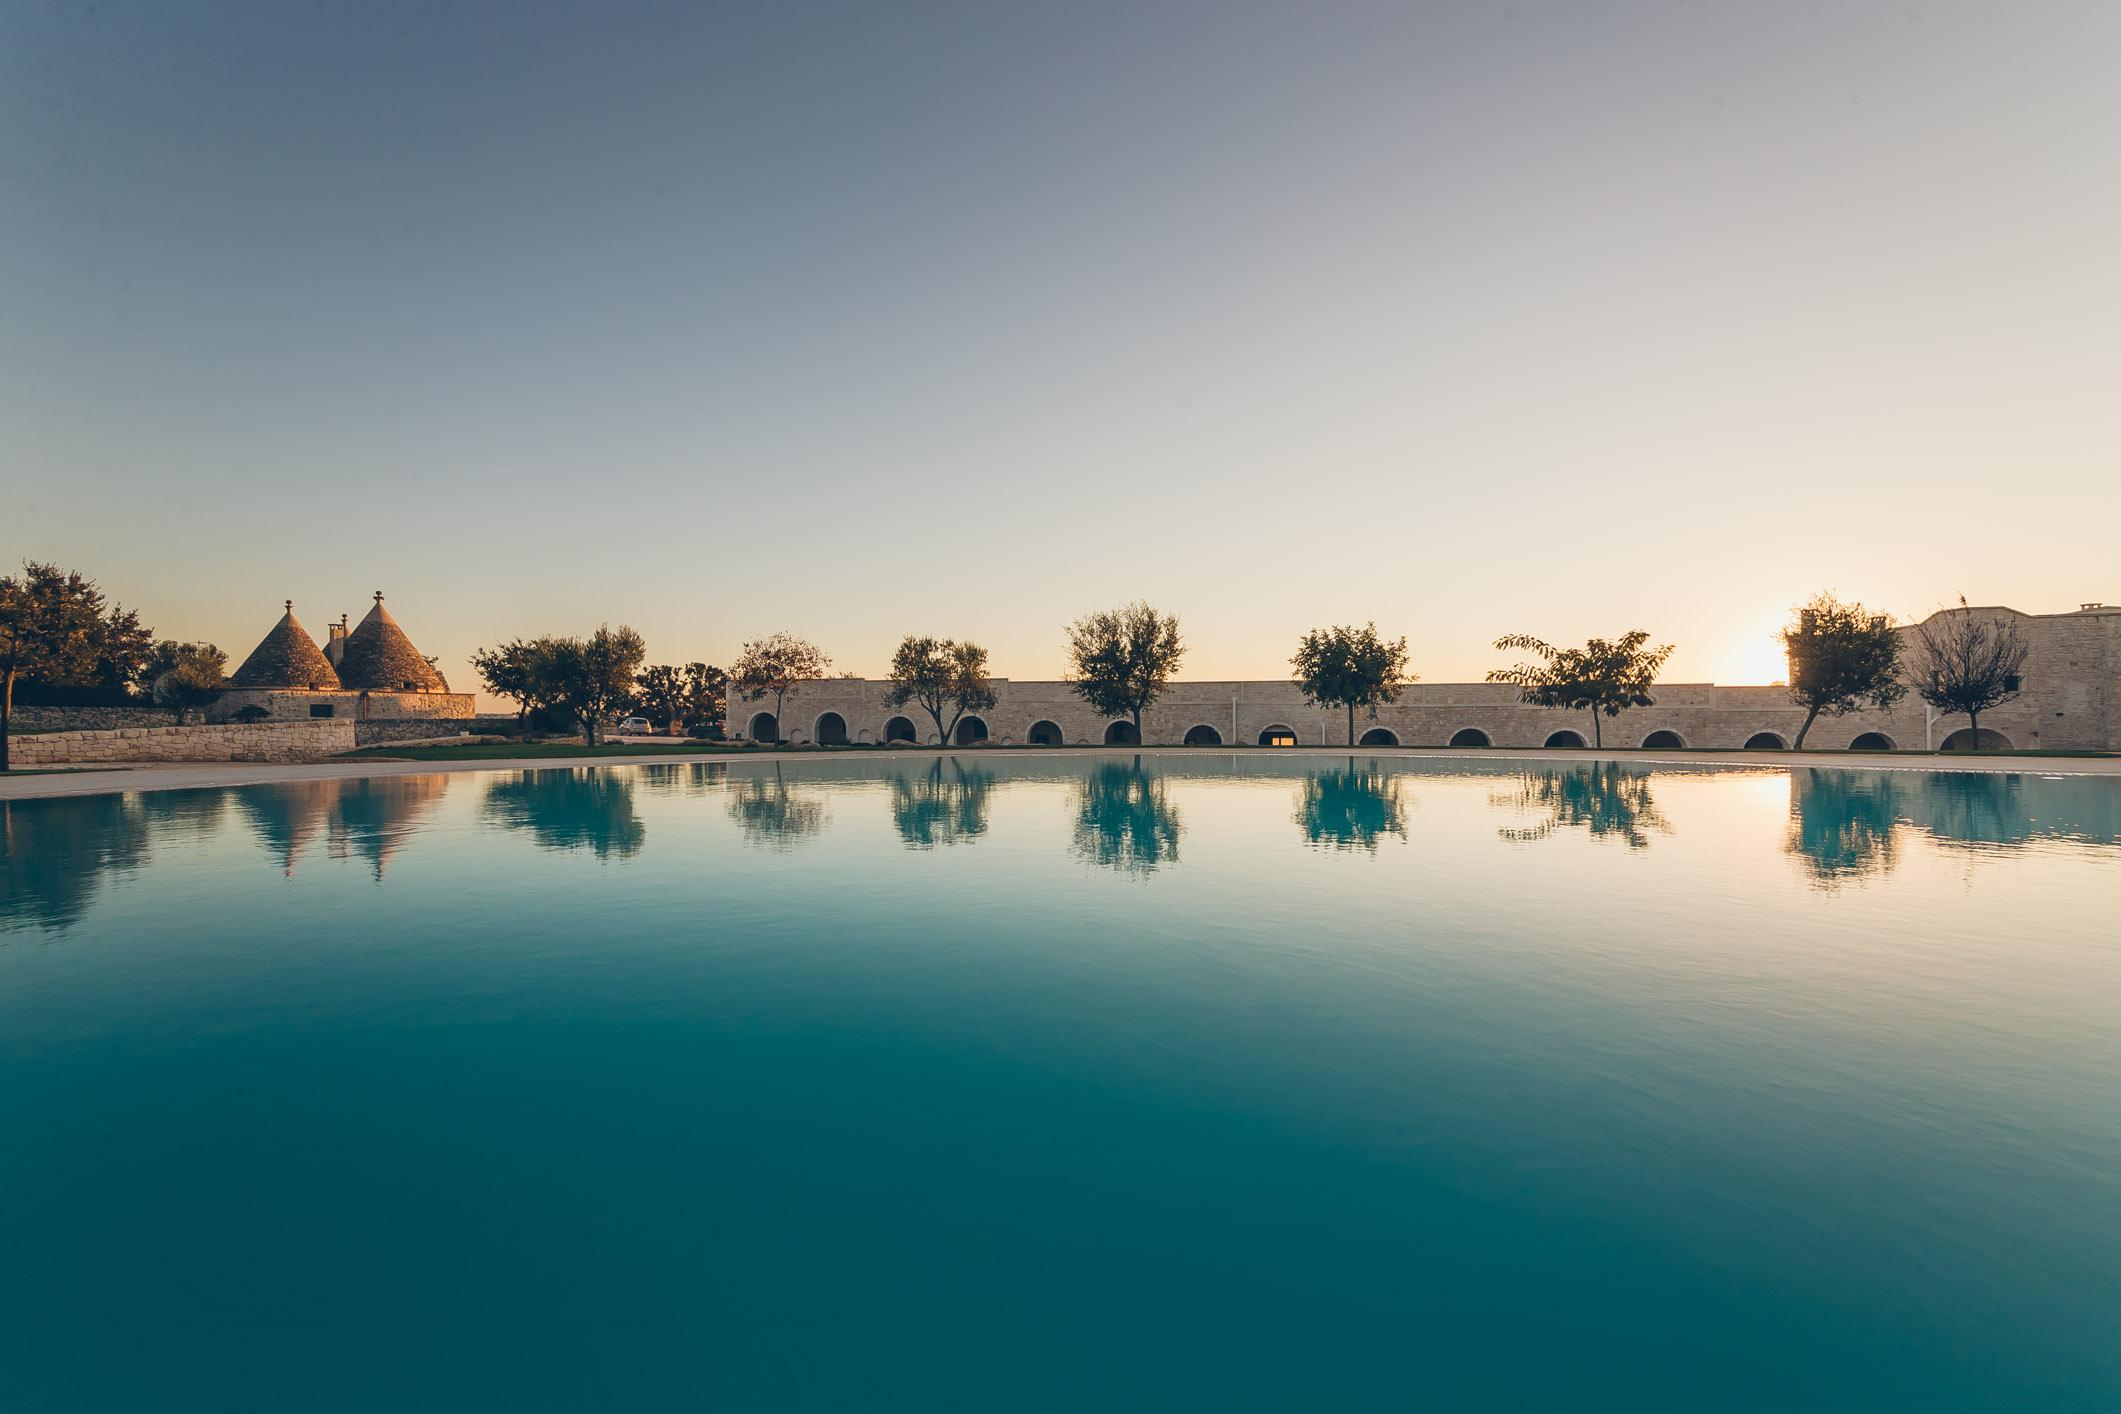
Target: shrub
250,713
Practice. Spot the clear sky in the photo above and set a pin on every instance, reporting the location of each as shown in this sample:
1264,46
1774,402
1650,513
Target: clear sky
858,320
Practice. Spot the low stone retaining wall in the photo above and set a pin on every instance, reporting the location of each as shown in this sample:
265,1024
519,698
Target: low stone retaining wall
254,741
27,719
430,729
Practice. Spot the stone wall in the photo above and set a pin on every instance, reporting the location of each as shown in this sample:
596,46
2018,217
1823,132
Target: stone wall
2071,694
256,741
427,729
302,704
27,719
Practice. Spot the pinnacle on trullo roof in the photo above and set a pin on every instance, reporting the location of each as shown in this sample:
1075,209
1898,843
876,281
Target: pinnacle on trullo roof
378,657
287,657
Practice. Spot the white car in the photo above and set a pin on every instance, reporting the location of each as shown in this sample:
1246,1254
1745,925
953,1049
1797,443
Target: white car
635,726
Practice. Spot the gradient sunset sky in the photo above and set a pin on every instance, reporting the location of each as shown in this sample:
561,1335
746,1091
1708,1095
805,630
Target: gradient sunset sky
966,319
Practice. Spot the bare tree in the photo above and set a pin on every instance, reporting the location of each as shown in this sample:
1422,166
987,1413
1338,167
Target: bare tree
1968,662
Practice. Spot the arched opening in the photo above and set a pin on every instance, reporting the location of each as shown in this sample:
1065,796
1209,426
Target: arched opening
899,729
1044,734
971,731
764,727
1277,736
1963,740
1873,741
831,730
1203,735
1378,736
1663,741
1566,738
1766,741
1122,734
1471,736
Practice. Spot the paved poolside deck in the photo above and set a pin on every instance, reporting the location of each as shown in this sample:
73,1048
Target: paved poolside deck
106,780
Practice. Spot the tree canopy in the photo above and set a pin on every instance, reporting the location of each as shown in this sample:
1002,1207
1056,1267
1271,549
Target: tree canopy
57,629
770,666
1121,660
1843,658
586,680
1605,677
944,677
182,676
1350,668
1966,662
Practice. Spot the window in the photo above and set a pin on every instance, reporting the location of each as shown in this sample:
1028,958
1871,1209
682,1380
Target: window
321,709
410,687
2012,682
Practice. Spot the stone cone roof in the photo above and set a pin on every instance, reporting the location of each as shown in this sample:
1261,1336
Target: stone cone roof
288,657
378,657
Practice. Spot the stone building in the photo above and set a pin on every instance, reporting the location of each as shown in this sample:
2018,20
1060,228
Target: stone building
371,673
2070,699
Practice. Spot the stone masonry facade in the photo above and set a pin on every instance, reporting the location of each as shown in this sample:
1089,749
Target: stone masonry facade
2070,700
257,741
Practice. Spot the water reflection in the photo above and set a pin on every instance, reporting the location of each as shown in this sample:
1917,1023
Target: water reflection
1124,820
772,816
1602,797
55,853
1843,823
580,807
1351,808
933,807
1847,824
684,778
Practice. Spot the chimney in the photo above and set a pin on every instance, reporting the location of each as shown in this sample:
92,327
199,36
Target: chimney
335,649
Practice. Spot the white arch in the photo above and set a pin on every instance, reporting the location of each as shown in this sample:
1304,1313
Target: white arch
1214,735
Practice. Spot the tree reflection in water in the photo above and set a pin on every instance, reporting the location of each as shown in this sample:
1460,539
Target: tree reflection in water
1843,823
1123,820
1351,808
770,815
932,808
54,854
580,807
1601,796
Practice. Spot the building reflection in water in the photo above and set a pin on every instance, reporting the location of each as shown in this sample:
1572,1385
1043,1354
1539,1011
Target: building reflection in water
1123,819
684,778
1601,797
940,806
770,815
1846,824
1351,808
580,807
369,819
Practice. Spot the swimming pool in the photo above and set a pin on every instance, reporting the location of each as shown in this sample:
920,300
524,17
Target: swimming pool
1004,1081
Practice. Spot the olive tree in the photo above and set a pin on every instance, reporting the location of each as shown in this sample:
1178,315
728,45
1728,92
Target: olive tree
1121,660
182,676
659,692
1966,662
942,676
1604,676
1843,658
772,665
594,676
1351,668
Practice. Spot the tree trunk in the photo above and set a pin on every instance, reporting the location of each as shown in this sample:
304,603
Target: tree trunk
1138,728
1809,718
1597,730
1351,723
1973,731
7,714
942,733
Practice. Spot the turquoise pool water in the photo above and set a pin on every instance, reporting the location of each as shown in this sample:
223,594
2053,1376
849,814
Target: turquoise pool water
1070,1082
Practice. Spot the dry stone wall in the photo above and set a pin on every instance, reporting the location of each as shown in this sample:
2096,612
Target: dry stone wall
231,741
